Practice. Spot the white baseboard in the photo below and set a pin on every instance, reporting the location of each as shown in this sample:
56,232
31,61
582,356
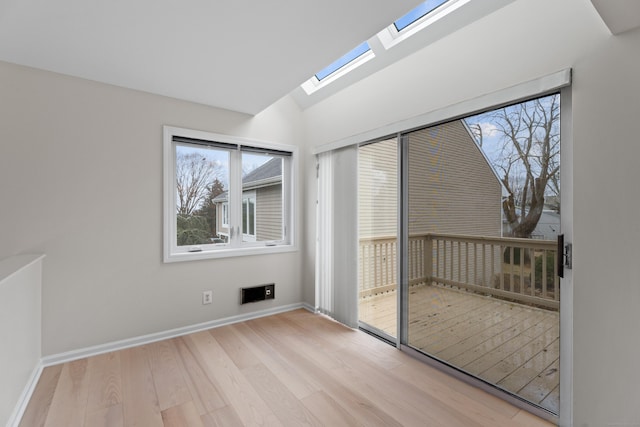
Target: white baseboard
25,397
69,356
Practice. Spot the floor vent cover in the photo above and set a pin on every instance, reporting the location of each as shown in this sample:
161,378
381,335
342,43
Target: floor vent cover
257,293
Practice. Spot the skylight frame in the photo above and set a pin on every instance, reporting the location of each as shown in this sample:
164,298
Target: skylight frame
314,84
343,61
417,13
381,42
391,36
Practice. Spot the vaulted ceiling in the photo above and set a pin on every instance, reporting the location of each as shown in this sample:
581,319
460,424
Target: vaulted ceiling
241,55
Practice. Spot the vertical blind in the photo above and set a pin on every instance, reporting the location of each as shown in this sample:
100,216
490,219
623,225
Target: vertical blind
337,235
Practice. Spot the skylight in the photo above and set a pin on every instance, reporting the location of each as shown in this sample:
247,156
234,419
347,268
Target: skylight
343,61
415,14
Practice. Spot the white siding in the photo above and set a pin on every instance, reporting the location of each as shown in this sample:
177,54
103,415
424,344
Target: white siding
378,189
452,188
269,213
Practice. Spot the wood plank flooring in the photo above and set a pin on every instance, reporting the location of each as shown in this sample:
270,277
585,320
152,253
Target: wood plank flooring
291,369
508,344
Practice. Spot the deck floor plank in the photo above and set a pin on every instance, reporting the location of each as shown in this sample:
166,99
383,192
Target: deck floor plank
509,344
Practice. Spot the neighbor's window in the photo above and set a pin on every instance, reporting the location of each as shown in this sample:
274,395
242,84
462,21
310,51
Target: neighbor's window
225,196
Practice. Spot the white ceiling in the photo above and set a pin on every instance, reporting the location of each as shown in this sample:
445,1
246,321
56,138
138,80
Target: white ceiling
619,15
241,55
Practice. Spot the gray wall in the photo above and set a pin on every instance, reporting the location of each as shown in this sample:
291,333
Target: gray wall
520,42
81,181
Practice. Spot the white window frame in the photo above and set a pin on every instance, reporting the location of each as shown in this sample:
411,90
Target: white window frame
225,215
390,36
246,197
236,246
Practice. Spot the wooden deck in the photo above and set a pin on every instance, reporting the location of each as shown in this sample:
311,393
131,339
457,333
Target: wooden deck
508,344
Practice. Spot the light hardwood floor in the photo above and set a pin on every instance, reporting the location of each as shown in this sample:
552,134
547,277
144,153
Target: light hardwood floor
295,368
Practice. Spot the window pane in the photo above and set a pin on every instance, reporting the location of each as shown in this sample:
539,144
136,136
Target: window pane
262,187
421,10
244,217
252,217
344,60
202,182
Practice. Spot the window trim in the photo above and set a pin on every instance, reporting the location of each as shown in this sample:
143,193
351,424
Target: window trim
247,196
225,215
314,84
391,36
173,253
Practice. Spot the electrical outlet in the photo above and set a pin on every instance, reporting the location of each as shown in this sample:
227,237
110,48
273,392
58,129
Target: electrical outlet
207,297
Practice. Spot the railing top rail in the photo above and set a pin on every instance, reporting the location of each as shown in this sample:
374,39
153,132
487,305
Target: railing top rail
504,241
378,239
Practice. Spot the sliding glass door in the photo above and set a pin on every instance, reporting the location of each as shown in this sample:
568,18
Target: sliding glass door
377,235
476,258
483,214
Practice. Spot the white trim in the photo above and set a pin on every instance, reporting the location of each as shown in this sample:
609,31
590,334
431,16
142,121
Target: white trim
453,21
235,246
390,36
11,266
510,95
69,356
566,283
313,84
18,412
248,196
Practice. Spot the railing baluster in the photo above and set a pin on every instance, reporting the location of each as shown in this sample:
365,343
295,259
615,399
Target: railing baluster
483,282
522,255
454,260
511,261
532,260
501,260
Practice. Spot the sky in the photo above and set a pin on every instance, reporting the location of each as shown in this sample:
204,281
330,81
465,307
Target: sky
415,14
250,161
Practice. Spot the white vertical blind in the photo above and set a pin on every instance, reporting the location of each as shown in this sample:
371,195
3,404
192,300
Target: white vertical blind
324,236
337,236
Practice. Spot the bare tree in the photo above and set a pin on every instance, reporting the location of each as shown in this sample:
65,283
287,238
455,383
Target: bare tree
529,160
195,174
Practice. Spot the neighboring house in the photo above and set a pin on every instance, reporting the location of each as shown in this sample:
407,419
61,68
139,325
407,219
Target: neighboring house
261,205
453,189
452,186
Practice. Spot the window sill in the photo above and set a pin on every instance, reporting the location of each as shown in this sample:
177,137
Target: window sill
228,253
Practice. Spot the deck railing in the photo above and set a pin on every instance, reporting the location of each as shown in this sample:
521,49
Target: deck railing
521,270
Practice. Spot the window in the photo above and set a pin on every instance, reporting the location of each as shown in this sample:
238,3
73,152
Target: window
249,217
418,12
348,62
225,214
225,196
346,59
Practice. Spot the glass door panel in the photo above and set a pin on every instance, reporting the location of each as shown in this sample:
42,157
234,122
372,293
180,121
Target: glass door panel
377,230
483,216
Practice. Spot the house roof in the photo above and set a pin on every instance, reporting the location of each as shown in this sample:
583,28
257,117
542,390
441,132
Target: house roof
271,170
265,175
